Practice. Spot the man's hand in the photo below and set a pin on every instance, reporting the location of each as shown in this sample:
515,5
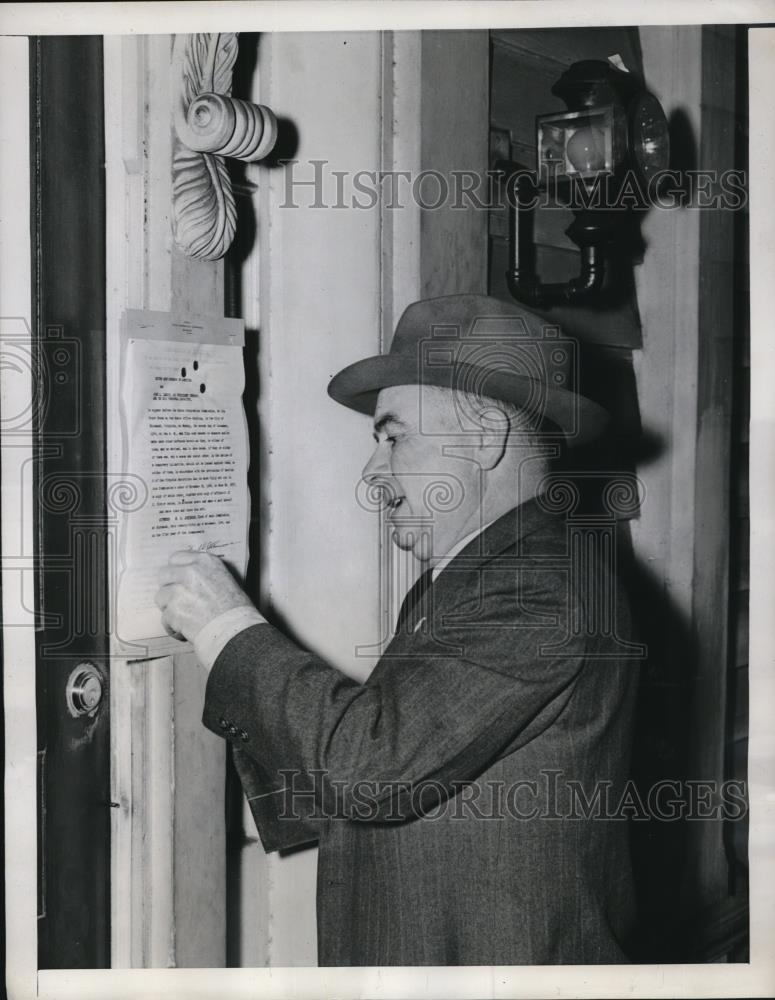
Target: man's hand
196,587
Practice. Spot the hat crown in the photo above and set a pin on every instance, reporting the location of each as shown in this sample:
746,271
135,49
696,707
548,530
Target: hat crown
484,339
463,317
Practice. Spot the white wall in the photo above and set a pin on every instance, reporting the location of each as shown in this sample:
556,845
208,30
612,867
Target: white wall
319,295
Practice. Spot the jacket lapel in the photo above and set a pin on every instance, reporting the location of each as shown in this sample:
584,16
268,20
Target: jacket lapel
425,601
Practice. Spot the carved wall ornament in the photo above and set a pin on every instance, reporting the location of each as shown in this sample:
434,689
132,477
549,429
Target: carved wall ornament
209,125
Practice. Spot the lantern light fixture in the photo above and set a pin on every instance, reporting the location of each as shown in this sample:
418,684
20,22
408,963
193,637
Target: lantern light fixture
612,126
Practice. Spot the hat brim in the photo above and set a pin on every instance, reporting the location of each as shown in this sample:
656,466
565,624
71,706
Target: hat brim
580,419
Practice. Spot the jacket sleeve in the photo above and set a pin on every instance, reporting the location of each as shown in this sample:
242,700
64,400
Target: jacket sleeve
282,822
436,710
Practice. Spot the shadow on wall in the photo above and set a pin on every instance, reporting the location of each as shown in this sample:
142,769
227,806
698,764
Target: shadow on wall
669,917
660,753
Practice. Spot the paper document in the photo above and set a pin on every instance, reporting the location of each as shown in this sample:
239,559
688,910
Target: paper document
185,456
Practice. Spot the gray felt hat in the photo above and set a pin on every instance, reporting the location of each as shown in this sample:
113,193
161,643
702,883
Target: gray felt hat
479,344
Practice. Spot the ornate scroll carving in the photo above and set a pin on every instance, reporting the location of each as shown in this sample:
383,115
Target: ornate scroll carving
209,125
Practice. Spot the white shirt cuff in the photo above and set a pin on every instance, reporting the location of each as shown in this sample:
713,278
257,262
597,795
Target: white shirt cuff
211,638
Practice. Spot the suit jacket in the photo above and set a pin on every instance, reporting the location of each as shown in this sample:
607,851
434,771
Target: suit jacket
459,795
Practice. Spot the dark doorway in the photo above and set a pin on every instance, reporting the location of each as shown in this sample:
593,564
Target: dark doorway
68,308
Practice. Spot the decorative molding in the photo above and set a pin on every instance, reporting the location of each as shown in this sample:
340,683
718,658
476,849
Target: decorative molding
209,125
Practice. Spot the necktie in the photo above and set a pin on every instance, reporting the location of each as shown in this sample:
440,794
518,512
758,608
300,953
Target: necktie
416,604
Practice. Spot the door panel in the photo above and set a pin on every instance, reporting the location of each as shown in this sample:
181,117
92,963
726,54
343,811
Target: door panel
68,250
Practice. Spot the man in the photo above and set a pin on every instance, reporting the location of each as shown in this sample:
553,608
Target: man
444,792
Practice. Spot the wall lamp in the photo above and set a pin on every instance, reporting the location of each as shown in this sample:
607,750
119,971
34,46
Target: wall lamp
612,138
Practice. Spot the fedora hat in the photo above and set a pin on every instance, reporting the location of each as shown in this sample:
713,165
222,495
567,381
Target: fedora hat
482,345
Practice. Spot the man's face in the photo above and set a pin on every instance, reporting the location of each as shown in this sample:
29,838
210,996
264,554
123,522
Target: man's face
425,466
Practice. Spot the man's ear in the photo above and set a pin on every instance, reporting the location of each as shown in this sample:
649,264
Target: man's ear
493,435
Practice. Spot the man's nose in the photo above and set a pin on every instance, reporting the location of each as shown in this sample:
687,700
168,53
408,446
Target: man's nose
377,465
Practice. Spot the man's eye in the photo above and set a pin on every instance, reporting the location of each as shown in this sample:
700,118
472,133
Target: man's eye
391,439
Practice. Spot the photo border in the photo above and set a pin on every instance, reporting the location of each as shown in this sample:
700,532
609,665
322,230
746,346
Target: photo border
756,978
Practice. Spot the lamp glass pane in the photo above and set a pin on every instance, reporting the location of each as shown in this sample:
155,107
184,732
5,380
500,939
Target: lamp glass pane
576,144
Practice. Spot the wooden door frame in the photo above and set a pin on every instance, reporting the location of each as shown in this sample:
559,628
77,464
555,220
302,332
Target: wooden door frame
141,752
168,866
